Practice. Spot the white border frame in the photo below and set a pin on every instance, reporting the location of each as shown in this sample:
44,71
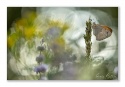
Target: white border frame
60,3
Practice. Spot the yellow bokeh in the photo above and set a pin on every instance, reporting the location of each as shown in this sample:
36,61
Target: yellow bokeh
60,41
31,16
29,32
58,23
39,33
11,40
21,22
25,26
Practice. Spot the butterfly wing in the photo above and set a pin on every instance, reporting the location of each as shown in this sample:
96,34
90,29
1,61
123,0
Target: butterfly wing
101,32
96,29
107,31
100,36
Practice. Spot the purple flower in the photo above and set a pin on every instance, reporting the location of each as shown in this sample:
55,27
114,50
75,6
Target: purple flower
40,48
41,68
39,58
53,32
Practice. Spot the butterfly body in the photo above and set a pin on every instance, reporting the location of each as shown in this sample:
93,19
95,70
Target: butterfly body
101,31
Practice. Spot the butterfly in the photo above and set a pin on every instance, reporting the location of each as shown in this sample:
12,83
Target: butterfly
101,31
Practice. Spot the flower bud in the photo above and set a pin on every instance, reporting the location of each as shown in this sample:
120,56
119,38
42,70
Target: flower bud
39,58
40,48
41,68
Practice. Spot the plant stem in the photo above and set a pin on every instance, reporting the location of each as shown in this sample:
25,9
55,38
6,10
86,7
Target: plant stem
87,38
